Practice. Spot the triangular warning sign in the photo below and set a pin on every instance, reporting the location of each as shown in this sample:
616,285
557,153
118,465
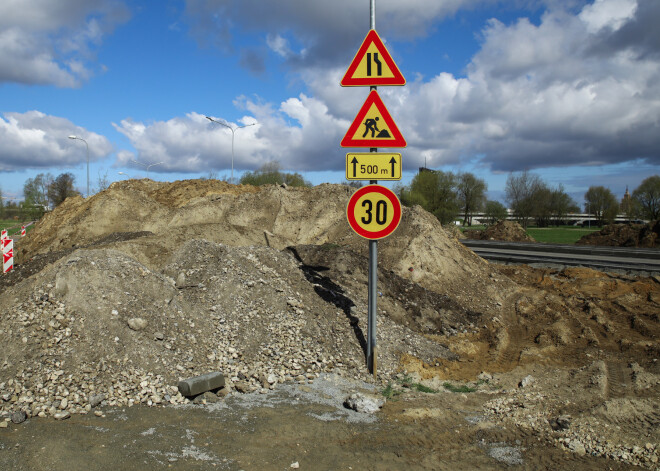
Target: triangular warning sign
373,126
372,65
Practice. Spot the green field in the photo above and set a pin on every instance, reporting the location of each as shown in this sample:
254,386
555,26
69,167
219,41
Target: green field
551,235
561,234
14,225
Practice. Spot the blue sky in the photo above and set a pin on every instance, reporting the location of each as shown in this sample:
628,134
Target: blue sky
568,89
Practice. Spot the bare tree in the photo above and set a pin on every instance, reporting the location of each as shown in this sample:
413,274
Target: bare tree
103,181
520,190
61,188
471,195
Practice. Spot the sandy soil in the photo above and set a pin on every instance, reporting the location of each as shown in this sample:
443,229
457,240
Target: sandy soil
483,366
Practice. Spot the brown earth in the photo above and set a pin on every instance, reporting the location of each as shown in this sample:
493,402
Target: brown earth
551,369
509,231
625,235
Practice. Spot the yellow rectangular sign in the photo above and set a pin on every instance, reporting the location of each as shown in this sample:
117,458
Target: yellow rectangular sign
373,166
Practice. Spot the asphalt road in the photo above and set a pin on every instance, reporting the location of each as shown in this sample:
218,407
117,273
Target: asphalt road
617,259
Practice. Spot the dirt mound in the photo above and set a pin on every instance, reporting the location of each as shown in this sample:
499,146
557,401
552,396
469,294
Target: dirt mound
119,296
244,215
625,235
509,231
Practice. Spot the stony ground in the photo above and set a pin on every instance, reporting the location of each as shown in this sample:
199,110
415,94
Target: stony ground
482,366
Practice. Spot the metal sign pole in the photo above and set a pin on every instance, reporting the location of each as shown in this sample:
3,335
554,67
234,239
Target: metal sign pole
373,263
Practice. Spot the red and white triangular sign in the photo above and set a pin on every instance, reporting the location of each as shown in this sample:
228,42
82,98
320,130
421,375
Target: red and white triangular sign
372,65
373,126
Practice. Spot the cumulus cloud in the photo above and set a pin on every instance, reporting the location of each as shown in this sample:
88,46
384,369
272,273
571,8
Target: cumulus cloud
575,87
36,140
298,134
52,42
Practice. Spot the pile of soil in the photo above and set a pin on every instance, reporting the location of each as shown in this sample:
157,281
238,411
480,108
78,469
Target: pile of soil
625,235
509,231
118,297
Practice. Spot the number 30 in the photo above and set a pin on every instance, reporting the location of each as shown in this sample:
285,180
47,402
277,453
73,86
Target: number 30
381,212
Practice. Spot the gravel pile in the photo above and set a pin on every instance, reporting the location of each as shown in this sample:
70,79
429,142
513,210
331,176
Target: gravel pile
98,327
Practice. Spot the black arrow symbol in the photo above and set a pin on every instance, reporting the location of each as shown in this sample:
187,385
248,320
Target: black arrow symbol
393,162
354,162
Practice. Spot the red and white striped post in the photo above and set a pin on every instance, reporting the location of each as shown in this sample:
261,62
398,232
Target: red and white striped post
22,231
7,254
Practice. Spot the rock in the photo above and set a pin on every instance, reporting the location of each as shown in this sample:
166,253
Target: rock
200,384
96,399
486,377
241,387
137,323
295,465
18,417
577,447
206,398
560,423
263,380
62,415
181,279
4,424
526,381
159,336
362,403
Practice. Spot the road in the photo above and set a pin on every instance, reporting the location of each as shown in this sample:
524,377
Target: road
618,259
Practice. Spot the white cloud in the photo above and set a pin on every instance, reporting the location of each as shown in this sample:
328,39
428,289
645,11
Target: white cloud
298,135
49,42
36,140
570,89
607,13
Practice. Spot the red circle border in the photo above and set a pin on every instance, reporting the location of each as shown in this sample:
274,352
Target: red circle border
390,195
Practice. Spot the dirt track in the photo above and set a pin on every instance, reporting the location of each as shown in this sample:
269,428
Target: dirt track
270,284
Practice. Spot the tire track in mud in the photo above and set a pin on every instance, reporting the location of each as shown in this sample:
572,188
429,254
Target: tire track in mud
618,380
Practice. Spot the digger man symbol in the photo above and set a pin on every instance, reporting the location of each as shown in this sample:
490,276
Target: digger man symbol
370,124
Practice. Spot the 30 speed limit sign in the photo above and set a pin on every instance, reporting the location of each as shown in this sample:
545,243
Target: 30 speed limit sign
374,212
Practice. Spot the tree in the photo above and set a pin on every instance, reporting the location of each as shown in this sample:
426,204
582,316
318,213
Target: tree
270,173
471,193
602,203
647,195
103,181
561,204
520,191
435,191
61,188
495,211
35,190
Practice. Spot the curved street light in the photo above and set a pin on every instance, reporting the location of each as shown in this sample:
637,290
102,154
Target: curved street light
233,131
124,174
86,145
147,166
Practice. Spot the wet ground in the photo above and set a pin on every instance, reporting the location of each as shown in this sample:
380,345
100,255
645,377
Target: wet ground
295,426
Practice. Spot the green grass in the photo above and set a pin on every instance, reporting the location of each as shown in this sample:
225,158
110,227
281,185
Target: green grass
561,234
458,389
550,235
15,225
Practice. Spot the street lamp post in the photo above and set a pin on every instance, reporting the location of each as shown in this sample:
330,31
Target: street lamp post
233,131
147,166
124,174
87,146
